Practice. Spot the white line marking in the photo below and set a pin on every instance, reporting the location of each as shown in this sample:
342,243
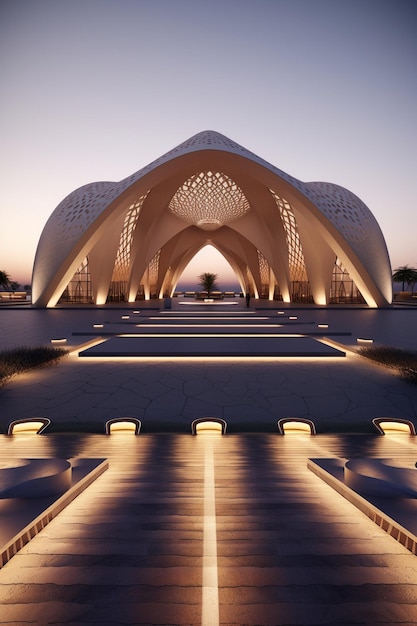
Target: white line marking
210,606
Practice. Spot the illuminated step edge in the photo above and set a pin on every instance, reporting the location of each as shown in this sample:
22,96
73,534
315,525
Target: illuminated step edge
331,472
24,535
232,345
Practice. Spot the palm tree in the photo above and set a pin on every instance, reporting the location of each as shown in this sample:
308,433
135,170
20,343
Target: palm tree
208,282
405,275
4,280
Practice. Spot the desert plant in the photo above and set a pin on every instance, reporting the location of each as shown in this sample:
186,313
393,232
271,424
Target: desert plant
4,280
405,275
19,360
404,361
208,282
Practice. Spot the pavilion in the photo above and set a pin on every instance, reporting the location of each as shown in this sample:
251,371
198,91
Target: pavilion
285,239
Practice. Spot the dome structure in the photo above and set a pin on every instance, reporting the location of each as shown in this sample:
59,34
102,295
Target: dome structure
284,239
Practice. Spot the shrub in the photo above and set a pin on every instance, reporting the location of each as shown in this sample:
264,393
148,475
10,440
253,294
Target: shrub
404,361
21,359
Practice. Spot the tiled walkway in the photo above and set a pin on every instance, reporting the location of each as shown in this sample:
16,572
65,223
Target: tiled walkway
137,546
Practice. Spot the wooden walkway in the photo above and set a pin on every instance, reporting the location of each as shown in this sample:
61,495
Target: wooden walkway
231,530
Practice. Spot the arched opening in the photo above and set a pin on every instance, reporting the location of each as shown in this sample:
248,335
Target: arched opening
208,259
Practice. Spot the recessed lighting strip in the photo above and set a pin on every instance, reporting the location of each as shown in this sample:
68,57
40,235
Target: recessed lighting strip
210,604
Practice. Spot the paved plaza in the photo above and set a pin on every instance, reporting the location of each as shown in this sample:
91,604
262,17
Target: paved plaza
233,529
340,394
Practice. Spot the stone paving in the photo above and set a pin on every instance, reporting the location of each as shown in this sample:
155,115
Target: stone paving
338,394
131,548
231,530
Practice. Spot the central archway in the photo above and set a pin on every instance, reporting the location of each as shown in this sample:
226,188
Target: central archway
211,260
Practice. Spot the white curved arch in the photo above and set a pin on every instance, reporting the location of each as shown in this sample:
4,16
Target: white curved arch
328,221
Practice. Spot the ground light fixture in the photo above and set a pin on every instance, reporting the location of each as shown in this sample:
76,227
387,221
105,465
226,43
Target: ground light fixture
296,426
29,426
393,426
208,425
123,425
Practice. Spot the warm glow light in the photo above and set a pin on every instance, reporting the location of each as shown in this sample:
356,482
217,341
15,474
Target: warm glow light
322,326
293,317
58,340
210,591
125,317
362,340
296,426
28,427
191,335
88,344
98,325
210,314
213,359
208,326
387,426
215,303
208,426
120,425
211,318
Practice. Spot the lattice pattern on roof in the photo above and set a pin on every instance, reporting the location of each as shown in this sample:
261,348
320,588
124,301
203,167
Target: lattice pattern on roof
249,278
122,262
153,270
78,210
263,268
296,260
342,207
209,200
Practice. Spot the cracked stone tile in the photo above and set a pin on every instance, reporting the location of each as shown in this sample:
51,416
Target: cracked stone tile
169,405
196,387
123,398
248,413
194,408
148,389
330,406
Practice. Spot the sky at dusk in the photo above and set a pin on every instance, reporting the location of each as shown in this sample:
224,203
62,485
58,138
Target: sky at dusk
325,90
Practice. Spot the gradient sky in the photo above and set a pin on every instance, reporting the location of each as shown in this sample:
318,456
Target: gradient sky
96,89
